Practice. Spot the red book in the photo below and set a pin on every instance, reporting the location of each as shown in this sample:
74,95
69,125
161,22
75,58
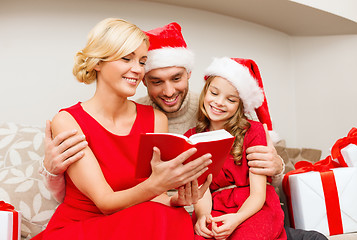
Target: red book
218,143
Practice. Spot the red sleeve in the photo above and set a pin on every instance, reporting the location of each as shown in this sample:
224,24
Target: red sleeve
190,132
255,135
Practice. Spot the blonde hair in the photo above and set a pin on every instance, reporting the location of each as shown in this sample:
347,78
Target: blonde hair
110,40
237,125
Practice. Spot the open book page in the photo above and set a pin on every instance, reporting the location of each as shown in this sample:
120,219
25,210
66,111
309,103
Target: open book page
200,137
209,136
170,134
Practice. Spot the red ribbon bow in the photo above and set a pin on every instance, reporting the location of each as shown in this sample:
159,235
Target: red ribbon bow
6,206
9,208
342,143
329,187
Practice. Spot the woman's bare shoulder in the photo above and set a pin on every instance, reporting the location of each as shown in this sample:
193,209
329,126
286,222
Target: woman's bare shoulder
63,121
161,122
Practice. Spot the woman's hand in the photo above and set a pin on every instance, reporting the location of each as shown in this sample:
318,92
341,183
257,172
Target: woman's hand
190,193
172,174
229,222
201,226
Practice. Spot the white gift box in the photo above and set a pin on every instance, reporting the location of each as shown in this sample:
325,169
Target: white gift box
349,154
6,225
308,200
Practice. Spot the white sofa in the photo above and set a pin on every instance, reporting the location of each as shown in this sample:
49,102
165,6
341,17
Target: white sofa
21,151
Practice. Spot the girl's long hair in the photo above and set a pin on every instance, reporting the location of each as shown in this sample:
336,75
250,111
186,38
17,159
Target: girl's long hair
237,125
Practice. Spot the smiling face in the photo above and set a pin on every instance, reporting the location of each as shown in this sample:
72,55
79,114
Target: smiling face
122,76
167,87
221,102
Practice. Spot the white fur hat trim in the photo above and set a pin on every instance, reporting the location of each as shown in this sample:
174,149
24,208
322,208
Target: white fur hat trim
239,76
170,57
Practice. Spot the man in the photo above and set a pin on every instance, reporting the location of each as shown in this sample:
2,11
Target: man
168,71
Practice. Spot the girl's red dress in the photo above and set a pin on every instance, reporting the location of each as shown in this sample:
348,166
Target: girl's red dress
78,218
268,223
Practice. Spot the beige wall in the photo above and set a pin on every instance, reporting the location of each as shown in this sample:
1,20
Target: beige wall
38,41
343,8
325,70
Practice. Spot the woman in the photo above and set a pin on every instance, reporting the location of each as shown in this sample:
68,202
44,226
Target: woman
103,199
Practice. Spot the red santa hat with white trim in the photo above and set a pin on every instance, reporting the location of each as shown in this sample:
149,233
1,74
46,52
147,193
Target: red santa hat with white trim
168,48
244,75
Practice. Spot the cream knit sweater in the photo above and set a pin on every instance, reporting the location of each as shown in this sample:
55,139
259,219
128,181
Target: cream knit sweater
182,120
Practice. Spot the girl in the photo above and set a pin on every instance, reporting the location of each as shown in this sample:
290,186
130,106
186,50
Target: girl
242,205
103,198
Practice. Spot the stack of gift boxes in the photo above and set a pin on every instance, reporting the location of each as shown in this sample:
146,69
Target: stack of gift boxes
323,196
10,222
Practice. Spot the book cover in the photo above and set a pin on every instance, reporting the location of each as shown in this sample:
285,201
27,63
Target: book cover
218,143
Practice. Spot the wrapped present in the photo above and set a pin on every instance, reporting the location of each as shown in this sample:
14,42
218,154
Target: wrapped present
349,154
10,222
345,149
322,197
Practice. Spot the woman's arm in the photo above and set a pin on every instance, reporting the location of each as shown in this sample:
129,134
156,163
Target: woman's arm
60,152
89,179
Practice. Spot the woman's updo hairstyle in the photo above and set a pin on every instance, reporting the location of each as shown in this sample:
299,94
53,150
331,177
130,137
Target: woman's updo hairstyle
110,40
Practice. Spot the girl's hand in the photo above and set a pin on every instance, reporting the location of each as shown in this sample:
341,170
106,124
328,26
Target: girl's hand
201,226
229,222
190,193
173,174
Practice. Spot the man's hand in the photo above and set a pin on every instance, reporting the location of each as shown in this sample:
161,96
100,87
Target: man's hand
190,193
264,160
65,149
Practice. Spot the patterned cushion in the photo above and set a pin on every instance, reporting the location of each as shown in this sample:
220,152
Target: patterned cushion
21,150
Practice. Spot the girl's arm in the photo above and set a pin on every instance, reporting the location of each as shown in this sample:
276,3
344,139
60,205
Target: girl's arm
256,199
252,205
204,205
203,210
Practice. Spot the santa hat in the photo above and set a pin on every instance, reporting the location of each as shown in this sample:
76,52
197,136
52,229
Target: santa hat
168,48
244,75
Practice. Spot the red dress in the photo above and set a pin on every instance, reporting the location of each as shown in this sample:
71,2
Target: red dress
78,218
268,223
